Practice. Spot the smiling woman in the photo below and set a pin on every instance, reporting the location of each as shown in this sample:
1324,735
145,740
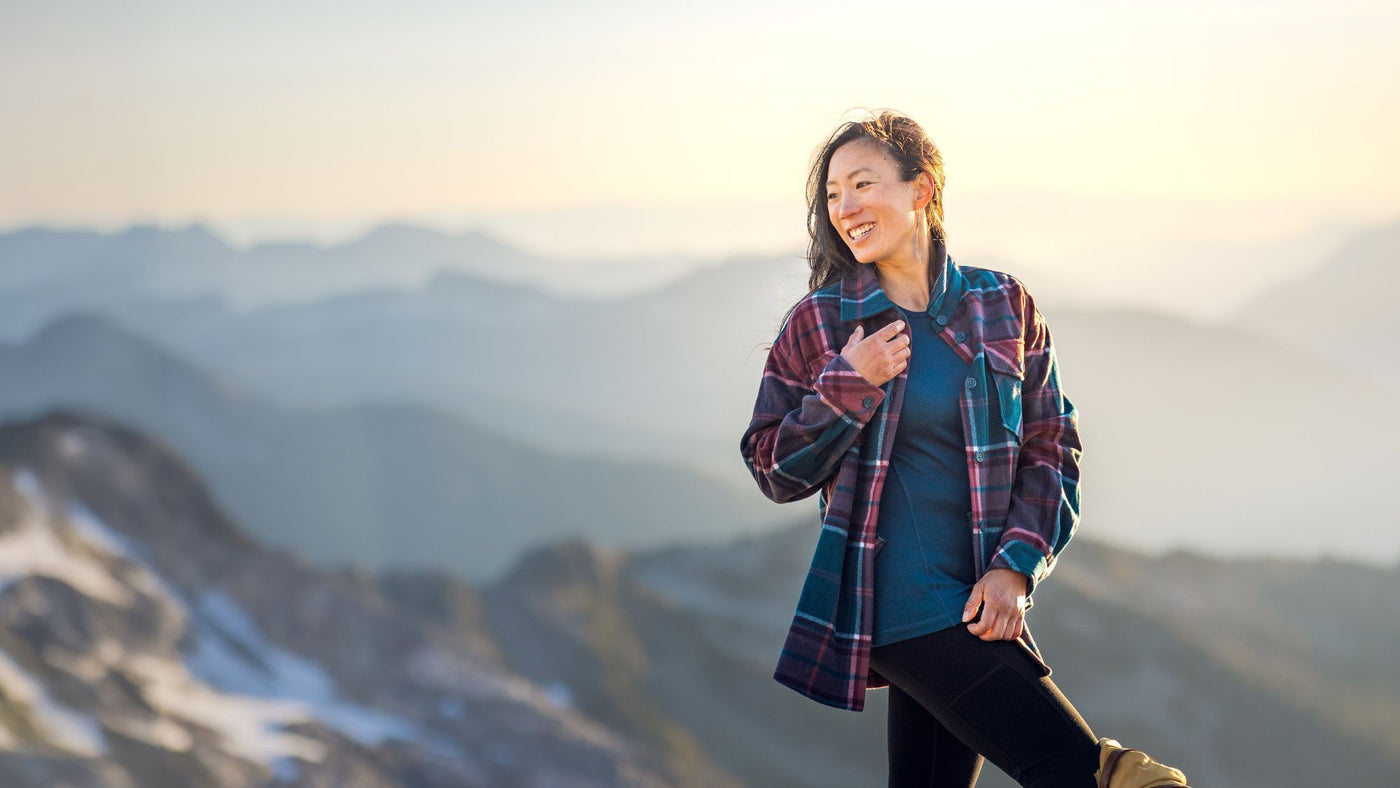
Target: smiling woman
890,156
921,400
868,204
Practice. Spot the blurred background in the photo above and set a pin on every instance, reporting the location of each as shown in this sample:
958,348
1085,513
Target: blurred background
373,379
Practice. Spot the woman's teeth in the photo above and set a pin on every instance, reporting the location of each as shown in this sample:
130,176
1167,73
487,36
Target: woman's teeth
861,230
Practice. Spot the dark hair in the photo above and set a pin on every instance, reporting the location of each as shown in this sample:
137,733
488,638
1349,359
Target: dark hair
904,142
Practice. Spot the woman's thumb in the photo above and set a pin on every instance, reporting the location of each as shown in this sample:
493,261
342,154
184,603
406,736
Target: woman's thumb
857,334
970,609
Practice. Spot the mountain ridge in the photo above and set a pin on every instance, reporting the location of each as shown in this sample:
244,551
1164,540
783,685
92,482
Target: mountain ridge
144,639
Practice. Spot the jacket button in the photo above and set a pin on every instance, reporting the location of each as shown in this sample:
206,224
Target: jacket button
970,383
942,320
868,401
960,336
981,456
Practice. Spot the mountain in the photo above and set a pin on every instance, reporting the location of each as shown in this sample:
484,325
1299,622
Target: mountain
659,375
1215,436
1344,310
1194,434
401,311
377,485
1218,439
1245,672
145,640
47,271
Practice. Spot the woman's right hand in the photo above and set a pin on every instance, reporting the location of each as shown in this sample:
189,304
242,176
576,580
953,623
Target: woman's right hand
878,357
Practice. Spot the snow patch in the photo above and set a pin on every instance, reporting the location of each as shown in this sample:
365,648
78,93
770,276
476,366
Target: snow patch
471,680
97,534
27,484
160,731
106,540
63,728
34,549
248,727
234,656
234,682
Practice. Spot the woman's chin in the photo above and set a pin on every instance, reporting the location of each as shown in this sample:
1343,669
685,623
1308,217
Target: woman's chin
861,257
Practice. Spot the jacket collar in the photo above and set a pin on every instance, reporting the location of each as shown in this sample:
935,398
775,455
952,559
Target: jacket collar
862,296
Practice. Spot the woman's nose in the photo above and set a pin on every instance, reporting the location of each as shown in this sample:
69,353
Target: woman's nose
848,206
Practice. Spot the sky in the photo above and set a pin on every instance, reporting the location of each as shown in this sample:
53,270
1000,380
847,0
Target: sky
637,127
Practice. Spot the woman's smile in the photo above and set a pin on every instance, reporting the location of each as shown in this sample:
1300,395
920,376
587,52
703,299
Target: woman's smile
860,231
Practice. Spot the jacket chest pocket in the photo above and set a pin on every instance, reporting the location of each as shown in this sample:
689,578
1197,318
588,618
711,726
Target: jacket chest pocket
1006,360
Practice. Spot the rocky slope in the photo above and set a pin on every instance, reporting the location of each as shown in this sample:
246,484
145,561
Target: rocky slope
145,640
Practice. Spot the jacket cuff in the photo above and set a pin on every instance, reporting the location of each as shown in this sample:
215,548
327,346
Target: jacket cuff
846,391
1022,558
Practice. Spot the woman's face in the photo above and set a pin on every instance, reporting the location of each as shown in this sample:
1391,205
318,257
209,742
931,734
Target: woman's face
877,214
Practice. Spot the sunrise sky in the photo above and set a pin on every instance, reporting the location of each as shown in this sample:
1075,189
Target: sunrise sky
632,125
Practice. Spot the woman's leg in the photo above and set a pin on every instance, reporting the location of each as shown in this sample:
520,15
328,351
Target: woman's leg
992,697
923,753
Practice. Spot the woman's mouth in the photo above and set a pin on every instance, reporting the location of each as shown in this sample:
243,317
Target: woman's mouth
860,231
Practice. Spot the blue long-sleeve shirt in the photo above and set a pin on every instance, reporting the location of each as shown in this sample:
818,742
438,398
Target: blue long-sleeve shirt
924,569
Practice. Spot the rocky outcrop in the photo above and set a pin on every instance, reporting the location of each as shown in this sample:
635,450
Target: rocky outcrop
144,640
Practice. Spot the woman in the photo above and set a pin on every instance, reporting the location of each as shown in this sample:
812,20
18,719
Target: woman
921,401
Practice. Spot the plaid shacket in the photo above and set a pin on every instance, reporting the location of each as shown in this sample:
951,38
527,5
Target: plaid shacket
819,427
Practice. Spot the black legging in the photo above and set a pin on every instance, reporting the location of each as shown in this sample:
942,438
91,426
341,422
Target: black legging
955,698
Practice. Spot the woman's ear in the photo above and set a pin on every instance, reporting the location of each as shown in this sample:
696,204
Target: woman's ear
923,189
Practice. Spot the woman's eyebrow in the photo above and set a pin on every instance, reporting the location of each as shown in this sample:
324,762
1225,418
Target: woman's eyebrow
851,174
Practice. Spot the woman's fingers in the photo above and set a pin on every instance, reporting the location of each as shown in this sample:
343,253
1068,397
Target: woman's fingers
880,361
887,332
991,618
973,600
1001,619
855,337
889,337
1008,626
895,346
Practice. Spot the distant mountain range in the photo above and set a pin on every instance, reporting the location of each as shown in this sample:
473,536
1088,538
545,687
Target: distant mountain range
1345,310
49,271
1229,437
375,484
1216,438
145,639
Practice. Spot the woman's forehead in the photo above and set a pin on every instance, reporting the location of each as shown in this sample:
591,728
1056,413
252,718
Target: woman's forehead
855,156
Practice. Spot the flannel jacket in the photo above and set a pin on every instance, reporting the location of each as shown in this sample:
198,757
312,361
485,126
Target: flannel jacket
819,427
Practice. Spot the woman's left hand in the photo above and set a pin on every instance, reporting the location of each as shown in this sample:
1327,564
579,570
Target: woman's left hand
1002,594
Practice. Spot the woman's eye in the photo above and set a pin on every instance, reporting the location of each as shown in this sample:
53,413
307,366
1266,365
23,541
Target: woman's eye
862,183
830,196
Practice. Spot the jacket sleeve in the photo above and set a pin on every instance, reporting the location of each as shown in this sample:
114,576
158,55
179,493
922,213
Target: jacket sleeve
1044,508
810,409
